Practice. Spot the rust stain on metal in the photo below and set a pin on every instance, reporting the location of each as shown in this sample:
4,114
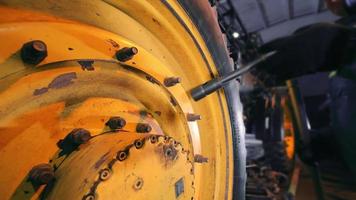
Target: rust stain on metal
60,81
156,21
71,105
87,64
167,153
101,160
84,184
40,91
113,43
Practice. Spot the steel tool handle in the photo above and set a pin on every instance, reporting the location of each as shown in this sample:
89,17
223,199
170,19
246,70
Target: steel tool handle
217,83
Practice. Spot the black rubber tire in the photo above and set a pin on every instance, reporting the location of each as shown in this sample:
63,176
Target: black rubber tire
205,19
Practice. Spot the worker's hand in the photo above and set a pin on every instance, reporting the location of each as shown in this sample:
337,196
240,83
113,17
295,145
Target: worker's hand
318,47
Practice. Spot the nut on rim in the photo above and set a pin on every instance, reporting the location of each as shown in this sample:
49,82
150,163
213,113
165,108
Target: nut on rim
139,144
169,152
126,53
80,136
105,174
122,155
143,128
116,123
153,139
171,81
34,52
41,174
191,117
200,159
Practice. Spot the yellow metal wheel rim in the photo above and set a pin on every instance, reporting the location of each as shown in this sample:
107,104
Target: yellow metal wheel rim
93,31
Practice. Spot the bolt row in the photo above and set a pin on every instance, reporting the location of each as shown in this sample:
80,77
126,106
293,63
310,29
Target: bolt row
117,123
43,173
35,51
122,155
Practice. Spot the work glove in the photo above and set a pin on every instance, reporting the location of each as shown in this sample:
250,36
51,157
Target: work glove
317,47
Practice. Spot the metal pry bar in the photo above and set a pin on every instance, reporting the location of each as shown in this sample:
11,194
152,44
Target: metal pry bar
217,83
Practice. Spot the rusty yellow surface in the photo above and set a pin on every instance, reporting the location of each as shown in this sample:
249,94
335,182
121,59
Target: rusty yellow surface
136,177
37,108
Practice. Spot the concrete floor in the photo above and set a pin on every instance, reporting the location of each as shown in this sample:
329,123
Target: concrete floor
305,190
337,184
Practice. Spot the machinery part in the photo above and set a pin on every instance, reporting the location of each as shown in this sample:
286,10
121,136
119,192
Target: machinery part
81,83
279,141
191,117
265,183
143,128
116,123
41,174
171,81
139,144
269,118
200,159
34,52
303,138
126,53
105,174
122,155
213,85
75,138
108,176
205,20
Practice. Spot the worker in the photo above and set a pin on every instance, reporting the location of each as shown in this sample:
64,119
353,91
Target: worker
322,47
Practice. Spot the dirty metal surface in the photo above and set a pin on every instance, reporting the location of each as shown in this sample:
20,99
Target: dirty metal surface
97,169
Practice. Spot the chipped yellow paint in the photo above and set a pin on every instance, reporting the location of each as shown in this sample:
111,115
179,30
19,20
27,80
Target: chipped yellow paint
136,177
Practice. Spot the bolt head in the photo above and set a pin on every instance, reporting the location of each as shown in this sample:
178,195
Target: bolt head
139,144
41,174
143,128
193,117
134,50
122,155
153,139
169,152
126,53
80,136
116,123
105,174
171,81
34,52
